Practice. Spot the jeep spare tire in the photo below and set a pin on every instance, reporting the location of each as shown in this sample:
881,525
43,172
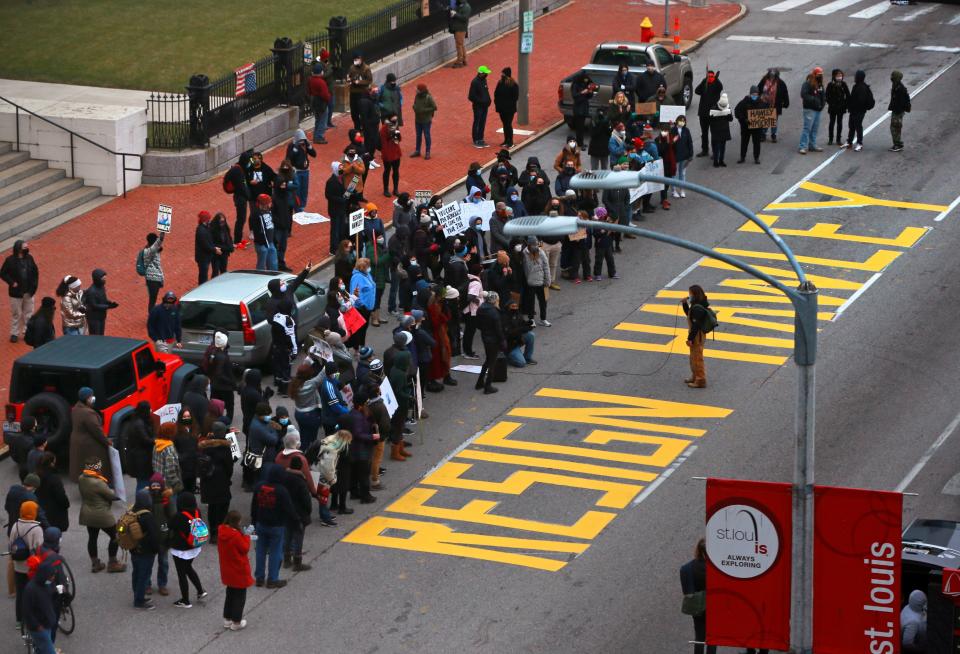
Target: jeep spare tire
52,414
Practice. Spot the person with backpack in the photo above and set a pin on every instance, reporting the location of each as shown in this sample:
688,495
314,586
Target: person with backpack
899,105
271,508
335,467
700,321
233,548
40,330
235,184
188,535
96,515
861,101
139,535
163,510
26,535
215,466
48,557
150,268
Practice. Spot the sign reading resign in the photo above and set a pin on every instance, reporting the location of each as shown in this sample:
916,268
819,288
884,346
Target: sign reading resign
356,222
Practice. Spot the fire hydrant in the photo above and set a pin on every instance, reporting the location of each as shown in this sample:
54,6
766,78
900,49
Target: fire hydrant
646,30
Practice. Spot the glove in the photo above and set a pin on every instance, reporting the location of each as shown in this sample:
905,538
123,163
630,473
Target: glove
113,305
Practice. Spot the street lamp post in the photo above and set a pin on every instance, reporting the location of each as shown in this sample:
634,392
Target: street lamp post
804,300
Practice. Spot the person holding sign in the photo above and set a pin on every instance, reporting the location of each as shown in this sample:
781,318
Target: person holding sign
749,130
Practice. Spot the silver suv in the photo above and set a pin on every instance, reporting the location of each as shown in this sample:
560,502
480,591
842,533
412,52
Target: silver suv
235,303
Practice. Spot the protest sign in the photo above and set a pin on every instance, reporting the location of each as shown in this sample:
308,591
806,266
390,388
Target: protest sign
483,209
670,112
353,320
759,118
645,108
168,412
652,168
451,219
389,397
304,218
164,218
118,486
347,393
421,197
356,222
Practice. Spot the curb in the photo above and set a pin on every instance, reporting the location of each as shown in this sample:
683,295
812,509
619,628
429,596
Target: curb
722,26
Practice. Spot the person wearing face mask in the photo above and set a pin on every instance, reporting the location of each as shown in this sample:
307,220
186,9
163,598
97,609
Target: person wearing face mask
280,310
360,79
813,95
562,183
774,92
392,155
334,192
364,289
381,263
720,119
599,148
299,153
185,442
709,90
457,24
683,151
503,163
669,156
370,121
390,99
861,101
695,308
163,323
353,172
372,225
616,203
203,248
499,183
505,98
86,436
424,109
582,89
479,97
569,153
617,144
899,105
97,303
649,81
741,111
514,204
260,179
498,240
263,232
625,82
477,240
838,98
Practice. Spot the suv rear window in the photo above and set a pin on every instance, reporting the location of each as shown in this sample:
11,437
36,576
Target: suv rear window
632,58
258,309
207,316
28,381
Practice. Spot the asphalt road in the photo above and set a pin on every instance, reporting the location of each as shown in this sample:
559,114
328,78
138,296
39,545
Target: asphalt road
552,517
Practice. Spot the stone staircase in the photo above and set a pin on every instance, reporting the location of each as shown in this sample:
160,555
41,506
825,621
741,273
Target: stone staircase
35,197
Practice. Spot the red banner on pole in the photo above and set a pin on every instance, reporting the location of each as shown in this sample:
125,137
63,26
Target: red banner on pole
856,570
748,576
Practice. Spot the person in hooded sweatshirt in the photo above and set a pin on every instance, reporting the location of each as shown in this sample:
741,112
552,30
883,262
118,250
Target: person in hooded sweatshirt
899,105
336,194
536,187
271,508
146,550
913,624
694,307
38,604
280,310
720,119
709,89
861,101
750,101
299,152
838,103
215,464
22,276
184,549
233,547
97,303
599,148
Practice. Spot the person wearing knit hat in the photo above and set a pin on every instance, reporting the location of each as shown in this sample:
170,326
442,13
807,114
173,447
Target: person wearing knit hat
73,315
27,528
204,248
750,102
87,438
424,109
220,371
96,513
720,119
506,95
814,99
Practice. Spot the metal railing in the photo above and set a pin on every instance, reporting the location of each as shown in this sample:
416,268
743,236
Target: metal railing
74,135
168,122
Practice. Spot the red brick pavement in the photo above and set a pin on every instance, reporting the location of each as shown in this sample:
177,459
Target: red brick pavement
109,236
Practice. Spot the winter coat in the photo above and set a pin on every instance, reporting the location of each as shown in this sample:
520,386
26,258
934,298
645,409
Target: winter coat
696,316
479,94
389,148
95,297
195,397
264,439
505,97
233,548
813,96
861,96
138,438
87,439
782,100
745,105
625,83
720,120
580,90
646,84
203,247
682,146
260,180
536,270
180,523
617,203
488,322
363,77
838,97
271,504
163,324
166,462
215,466
220,370
73,311
21,271
97,499
709,94
250,396
391,101
262,226
53,500
299,151
600,132
300,497
32,533
460,20
424,108
151,260
899,99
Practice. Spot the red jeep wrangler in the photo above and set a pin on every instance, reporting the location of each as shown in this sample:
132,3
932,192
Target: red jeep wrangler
121,371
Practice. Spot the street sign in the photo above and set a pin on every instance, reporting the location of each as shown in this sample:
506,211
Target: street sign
356,222
164,218
528,21
421,197
526,43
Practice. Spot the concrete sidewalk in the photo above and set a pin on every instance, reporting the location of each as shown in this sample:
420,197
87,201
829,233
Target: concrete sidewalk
109,237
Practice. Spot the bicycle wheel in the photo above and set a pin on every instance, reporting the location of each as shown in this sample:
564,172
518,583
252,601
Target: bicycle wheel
67,621
71,583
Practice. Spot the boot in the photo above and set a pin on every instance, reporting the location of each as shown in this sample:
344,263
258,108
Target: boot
395,454
489,389
116,566
96,565
375,318
299,565
287,559
449,381
403,450
479,385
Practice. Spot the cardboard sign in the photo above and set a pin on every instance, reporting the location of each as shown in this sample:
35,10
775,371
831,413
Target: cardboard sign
389,397
168,412
421,197
578,235
353,320
164,218
670,112
356,222
452,219
235,451
646,108
759,118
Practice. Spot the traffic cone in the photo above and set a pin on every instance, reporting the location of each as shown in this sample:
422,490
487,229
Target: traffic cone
676,35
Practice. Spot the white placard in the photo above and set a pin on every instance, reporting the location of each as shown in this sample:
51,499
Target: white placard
421,197
473,370
356,222
670,112
322,349
304,218
117,474
451,219
168,412
389,397
234,444
652,168
307,52
483,209
164,218
418,394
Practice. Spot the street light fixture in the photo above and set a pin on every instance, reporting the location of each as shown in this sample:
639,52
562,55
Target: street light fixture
804,300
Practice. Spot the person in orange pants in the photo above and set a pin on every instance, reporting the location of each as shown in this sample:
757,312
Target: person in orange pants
695,308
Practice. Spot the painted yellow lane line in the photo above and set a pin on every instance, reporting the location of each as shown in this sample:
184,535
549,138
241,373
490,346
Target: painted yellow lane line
715,337
772,296
850,199
676,347
654,408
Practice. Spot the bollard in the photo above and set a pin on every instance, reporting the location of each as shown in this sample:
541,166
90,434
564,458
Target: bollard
676,35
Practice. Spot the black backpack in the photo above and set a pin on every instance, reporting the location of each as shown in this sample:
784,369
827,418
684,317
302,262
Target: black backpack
30,335
19,550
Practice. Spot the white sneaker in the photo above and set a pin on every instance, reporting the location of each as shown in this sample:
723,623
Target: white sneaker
237,626
544,323
858,147
683,194
676,193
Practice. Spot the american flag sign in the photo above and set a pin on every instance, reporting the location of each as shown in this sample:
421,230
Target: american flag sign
246,80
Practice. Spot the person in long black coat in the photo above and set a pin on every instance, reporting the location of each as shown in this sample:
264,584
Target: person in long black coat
204,249
505,98
215,467
50,494
138,438
709,90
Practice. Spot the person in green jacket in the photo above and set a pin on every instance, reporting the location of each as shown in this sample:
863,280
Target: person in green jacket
458,23
391,99
380,264
424,108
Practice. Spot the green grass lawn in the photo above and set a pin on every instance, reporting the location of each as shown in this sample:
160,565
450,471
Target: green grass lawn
153,45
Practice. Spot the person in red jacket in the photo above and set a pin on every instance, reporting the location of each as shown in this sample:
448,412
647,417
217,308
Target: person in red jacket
320,99
390,147
233,547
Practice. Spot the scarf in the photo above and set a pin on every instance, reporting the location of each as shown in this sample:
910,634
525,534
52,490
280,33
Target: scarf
161,444
96,475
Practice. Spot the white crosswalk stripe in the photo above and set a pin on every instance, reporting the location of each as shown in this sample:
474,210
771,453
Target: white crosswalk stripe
787,5
832,7
873,10
913,15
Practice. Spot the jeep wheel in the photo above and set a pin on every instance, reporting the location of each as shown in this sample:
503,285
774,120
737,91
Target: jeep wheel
686,93
53,417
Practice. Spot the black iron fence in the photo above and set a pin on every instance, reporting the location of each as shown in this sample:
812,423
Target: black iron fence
211,107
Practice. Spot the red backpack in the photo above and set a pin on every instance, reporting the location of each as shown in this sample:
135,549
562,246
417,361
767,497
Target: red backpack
228,186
